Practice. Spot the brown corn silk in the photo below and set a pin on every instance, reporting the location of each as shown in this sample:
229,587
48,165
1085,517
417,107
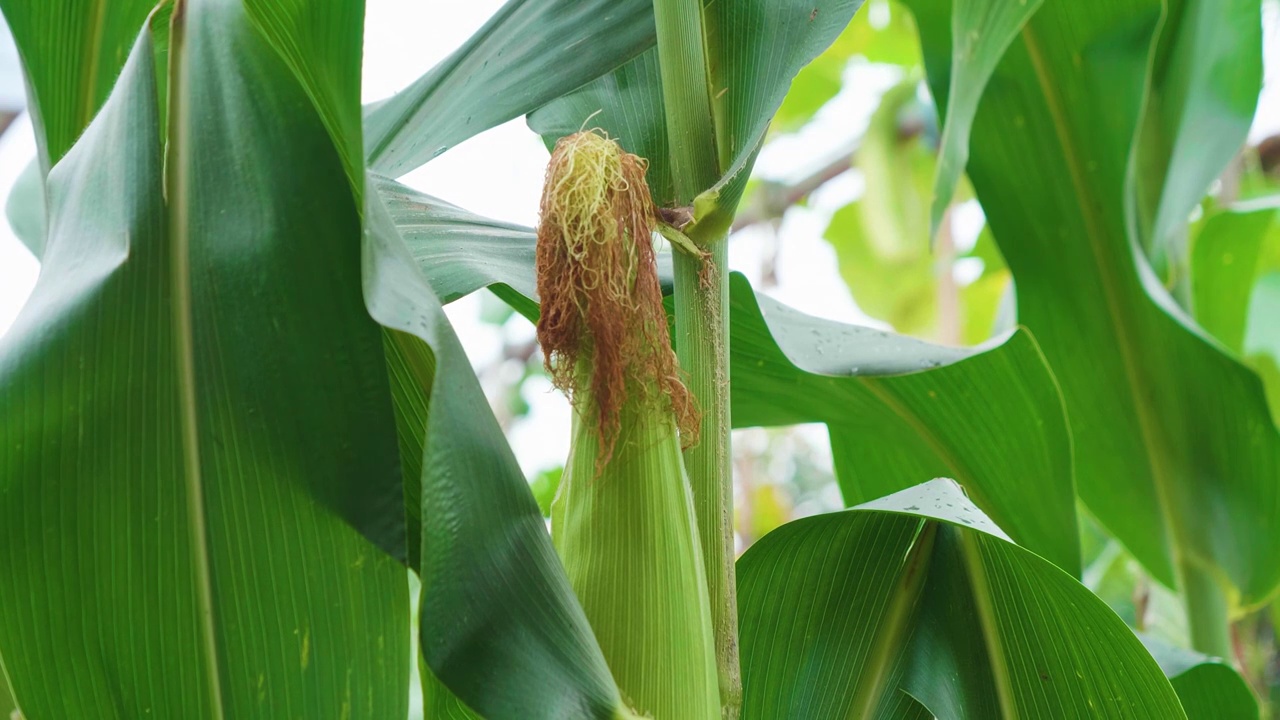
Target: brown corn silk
603,328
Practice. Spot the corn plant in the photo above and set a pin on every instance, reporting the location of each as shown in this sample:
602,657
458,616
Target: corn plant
234,417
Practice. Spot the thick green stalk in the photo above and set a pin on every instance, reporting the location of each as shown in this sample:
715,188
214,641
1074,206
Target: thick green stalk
627,536
682,59
702,321
701,333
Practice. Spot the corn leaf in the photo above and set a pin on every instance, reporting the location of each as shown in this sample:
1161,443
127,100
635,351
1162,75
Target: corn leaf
1226,256
188,396
1176,453
499,624
1203,89
529,53
1209,688
981,31
920,592
72,51
898,409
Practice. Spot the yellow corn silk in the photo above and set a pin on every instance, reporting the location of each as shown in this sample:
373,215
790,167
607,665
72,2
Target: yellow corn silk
623,520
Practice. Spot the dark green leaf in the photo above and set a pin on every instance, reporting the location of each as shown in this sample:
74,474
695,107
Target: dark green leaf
1175,450
899,409
185,387
72,51
500,626
994,631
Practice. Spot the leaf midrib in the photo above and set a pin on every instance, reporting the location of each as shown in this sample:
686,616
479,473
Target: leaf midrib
179,237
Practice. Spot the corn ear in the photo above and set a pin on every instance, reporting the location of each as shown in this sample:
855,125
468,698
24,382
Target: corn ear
623,519
627,535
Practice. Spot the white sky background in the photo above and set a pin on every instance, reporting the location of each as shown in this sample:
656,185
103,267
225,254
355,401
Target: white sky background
499,174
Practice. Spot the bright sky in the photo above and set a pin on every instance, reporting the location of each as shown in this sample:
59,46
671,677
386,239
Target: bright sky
499,174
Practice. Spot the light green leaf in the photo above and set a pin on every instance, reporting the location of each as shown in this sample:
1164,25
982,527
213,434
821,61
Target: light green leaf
920,591
184,393
754,49
25,208
528,54
500,626
1224,264
1203,89
1175,450
629,541
459,252
1262,335
981,31
1208,687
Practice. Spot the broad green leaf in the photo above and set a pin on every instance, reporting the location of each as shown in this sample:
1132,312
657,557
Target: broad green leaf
1202,92
1208,687
754,49
991,416
186,394
528,54
900,409
457,251
72,51
1224,264
322,43
499,624
919,591
1175,451
981,30
25,206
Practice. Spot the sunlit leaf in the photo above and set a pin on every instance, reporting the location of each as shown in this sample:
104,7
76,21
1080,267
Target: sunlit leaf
1224,263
